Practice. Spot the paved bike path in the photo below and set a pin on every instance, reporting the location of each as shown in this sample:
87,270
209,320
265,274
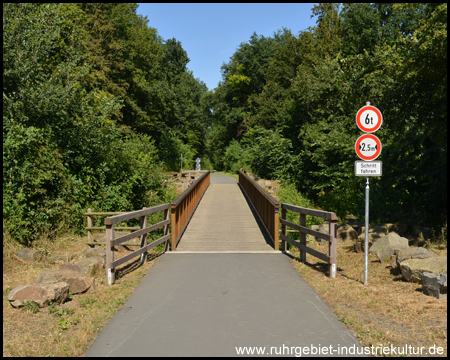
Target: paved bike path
208,304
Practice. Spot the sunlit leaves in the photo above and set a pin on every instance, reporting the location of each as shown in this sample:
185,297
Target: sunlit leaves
393,55
79,80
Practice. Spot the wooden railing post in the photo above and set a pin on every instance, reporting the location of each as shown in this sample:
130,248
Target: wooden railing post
166,229
89,225
143,225
283,230
173,214
110,254
333,247
276,229
302,237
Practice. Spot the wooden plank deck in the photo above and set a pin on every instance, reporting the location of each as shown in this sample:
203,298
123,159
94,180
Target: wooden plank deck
224,222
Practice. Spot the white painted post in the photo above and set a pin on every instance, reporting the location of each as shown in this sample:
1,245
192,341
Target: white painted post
110,254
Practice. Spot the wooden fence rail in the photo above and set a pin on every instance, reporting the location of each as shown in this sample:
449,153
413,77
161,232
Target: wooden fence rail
183,207
89,226
142,232
265,206
303,230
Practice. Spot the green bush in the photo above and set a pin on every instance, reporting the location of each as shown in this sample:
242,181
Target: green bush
170,150
268,153
290,195
235,157
33,181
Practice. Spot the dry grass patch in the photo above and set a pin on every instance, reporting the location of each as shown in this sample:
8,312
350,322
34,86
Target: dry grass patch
67,329
388,310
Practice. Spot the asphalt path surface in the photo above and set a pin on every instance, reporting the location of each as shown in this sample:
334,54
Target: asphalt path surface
222,179
212,304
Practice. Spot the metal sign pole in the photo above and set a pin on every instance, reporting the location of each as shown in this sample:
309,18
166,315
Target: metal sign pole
366,243
368,148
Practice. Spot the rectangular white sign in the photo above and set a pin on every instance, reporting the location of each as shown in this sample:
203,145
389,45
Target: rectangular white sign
368,168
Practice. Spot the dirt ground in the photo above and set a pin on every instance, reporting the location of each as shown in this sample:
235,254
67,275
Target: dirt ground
389,311
67,329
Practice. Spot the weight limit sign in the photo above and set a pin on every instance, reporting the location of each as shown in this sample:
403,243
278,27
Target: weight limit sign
369,119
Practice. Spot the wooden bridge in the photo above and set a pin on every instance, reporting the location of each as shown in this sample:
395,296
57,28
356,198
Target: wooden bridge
219,214
224,222
226,282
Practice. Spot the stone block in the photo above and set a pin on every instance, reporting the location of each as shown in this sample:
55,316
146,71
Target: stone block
91,252
379,229
413,253
29,254
78,282
324,228
57,259
91,266
385,247
346,232
435,284
420,233
71,267
413,269
360,241
41,294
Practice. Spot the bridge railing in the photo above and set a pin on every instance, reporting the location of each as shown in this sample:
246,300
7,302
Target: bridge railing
265,206
183,207
111,264
331,259
89,214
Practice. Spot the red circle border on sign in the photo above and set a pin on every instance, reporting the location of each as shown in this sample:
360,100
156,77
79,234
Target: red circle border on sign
361,126
368,158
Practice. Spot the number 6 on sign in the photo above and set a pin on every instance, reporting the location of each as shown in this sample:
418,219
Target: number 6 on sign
368,147
369,119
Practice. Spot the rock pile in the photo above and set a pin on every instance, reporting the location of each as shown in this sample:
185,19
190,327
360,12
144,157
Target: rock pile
388,243
53,286
270,186
183,180
385,247
70,274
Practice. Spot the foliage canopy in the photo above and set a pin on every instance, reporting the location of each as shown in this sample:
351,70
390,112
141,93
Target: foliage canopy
298,123
97,106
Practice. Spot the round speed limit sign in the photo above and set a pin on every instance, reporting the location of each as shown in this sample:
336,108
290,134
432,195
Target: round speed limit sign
369,119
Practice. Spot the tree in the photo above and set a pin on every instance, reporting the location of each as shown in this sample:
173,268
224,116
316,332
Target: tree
360,26
416,108
80,117
45,114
